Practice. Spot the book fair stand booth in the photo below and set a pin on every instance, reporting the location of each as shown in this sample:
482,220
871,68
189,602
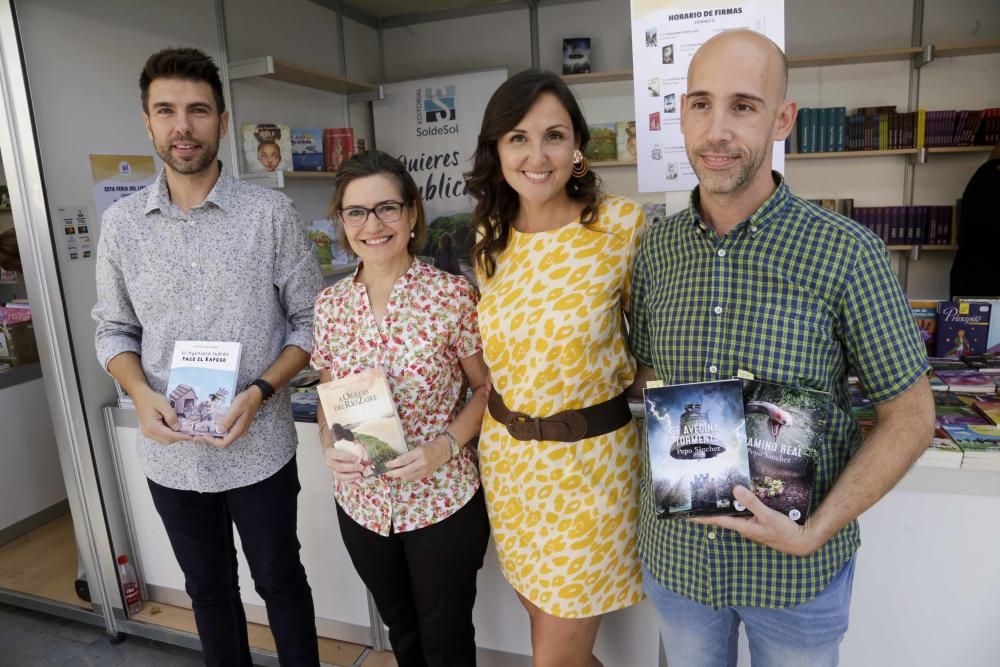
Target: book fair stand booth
924,590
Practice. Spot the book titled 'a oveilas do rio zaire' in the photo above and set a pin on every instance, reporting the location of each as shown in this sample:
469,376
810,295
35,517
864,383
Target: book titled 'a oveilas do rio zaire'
362,418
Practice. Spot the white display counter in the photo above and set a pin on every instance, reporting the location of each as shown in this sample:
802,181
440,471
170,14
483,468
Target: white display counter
627,637
924,590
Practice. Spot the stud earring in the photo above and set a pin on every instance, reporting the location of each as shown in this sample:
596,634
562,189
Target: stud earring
581,165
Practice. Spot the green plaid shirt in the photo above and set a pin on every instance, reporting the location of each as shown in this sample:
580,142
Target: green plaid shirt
796,294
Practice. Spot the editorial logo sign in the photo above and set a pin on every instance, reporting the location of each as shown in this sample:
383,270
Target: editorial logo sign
436,111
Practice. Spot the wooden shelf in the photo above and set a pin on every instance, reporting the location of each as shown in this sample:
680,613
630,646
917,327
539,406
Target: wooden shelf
960,149
903,248
844,154
311,175
280,70
855,57
598,77
613,163
953,50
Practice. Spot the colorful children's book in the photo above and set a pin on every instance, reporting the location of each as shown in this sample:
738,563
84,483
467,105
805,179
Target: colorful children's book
980,445
625,136
267,147
307,149
362,418
784,436
941,453
925,313
338,145
697,448
962,328
603,144
967,382
989,407
202,384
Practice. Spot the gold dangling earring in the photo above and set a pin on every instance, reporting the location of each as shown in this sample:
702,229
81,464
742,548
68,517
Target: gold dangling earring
581,165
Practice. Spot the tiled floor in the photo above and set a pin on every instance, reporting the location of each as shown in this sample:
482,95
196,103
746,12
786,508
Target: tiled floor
32,639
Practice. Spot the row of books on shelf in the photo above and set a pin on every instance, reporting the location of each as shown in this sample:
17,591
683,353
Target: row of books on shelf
275,147
900,225
832,129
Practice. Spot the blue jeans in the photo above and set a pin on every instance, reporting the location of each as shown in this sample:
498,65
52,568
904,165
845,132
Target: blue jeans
806,635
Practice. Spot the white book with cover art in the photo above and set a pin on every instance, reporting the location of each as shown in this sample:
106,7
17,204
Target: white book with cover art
362,418
202,384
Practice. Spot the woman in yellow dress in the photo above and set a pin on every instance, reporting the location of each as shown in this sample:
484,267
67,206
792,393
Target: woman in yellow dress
559,450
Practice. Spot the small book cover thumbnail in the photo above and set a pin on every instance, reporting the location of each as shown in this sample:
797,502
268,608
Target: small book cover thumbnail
603,144
967,381
202,384
655,213
958,414
925,313
784,436
625,136
307,149
267,147
338,145
962,328
993,338
576,55
697,448
362,417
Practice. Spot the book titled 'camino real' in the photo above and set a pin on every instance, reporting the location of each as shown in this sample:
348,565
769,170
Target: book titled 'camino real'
362,418
202,384
784,435
697,448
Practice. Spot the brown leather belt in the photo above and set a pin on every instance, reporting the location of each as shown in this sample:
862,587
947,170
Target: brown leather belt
565,426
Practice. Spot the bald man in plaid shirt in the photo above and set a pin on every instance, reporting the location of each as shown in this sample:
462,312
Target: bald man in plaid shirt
750,277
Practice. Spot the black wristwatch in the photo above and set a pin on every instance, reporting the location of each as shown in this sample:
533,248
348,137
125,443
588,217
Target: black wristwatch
266,390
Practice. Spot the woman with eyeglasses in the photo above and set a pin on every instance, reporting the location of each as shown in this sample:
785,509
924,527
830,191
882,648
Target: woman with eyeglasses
417,534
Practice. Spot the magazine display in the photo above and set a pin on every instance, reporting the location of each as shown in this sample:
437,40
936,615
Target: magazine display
362,418
697,448
784,435
202,384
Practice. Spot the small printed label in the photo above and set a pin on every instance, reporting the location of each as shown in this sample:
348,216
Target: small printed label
739,506
963,308
744,375
654,384
795,515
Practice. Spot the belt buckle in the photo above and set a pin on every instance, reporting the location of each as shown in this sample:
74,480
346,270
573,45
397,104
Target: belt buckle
520,419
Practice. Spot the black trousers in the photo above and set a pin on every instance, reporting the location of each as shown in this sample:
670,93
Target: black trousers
200,528
424,583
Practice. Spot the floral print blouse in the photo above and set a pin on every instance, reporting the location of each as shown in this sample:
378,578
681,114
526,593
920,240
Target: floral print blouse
430,324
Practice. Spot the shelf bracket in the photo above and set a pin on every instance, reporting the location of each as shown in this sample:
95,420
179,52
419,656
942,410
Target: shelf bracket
246,69
372,96
926,57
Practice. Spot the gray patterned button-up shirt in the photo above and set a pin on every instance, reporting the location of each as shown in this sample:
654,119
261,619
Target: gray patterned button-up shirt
239,267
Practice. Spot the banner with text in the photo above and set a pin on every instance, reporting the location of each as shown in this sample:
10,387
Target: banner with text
431,125
665,35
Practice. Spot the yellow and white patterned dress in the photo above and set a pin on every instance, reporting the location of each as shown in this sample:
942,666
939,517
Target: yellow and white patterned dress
563,514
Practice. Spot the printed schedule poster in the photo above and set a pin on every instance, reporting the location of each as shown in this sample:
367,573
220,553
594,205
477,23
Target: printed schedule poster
116,176
665,35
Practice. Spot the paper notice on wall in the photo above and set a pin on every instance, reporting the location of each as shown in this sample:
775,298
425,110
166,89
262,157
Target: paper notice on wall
73,226
117,176
665,35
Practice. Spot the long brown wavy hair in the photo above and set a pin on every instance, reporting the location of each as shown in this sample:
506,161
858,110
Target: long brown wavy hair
497,203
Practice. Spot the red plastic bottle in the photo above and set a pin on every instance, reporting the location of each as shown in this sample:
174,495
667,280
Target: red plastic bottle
130,585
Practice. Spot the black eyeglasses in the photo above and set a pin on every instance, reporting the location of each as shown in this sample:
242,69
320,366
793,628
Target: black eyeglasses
386,211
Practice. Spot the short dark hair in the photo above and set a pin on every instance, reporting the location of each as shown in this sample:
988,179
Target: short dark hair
497,203
371,163
181,63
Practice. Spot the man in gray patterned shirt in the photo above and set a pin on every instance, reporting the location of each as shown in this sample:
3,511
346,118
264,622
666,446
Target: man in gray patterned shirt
200,255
